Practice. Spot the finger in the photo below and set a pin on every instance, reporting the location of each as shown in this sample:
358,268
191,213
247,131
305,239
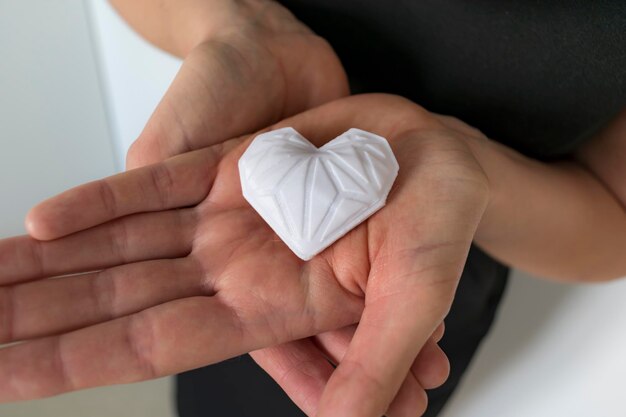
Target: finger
130,239
438,335
299,368
410,401
219,93
412,279
180,181
169,338
302,371
54,306
431,367
335,343
366,386
227,88
427,370
152,343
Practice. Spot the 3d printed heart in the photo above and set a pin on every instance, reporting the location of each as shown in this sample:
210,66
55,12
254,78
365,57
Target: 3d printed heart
311,197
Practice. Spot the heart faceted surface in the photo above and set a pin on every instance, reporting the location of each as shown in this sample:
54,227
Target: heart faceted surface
311,197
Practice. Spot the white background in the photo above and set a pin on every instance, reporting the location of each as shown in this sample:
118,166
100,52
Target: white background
76,87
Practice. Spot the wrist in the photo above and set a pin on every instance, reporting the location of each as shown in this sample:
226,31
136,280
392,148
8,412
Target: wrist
487,155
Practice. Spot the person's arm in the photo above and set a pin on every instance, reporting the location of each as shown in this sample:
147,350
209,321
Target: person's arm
247,64
563,220
177,26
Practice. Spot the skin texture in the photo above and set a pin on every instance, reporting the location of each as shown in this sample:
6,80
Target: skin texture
579,196
239,288
133,310
248,64
385,286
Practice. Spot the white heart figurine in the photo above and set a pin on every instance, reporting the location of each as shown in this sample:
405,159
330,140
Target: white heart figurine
311,197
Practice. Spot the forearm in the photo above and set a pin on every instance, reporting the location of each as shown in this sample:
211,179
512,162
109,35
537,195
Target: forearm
555,220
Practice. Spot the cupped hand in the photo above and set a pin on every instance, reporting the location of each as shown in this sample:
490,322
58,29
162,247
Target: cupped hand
258,66
188,274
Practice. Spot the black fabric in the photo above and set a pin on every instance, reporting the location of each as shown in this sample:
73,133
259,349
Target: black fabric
540,77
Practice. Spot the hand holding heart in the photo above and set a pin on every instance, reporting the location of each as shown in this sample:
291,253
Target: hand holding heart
313,196
190,274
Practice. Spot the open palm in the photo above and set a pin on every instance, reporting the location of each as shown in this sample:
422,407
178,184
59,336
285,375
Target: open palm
191,275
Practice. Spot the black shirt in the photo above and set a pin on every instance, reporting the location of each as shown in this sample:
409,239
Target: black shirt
539,76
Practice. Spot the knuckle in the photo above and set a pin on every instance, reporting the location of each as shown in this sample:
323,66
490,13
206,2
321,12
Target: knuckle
135,154
119,240
64,371
37,257
162,182
7,314
140,343
352,369
107,198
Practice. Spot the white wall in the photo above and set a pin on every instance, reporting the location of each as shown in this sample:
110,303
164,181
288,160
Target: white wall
556,351
135,74
54,134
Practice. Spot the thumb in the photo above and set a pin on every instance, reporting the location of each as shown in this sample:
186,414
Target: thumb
222,90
